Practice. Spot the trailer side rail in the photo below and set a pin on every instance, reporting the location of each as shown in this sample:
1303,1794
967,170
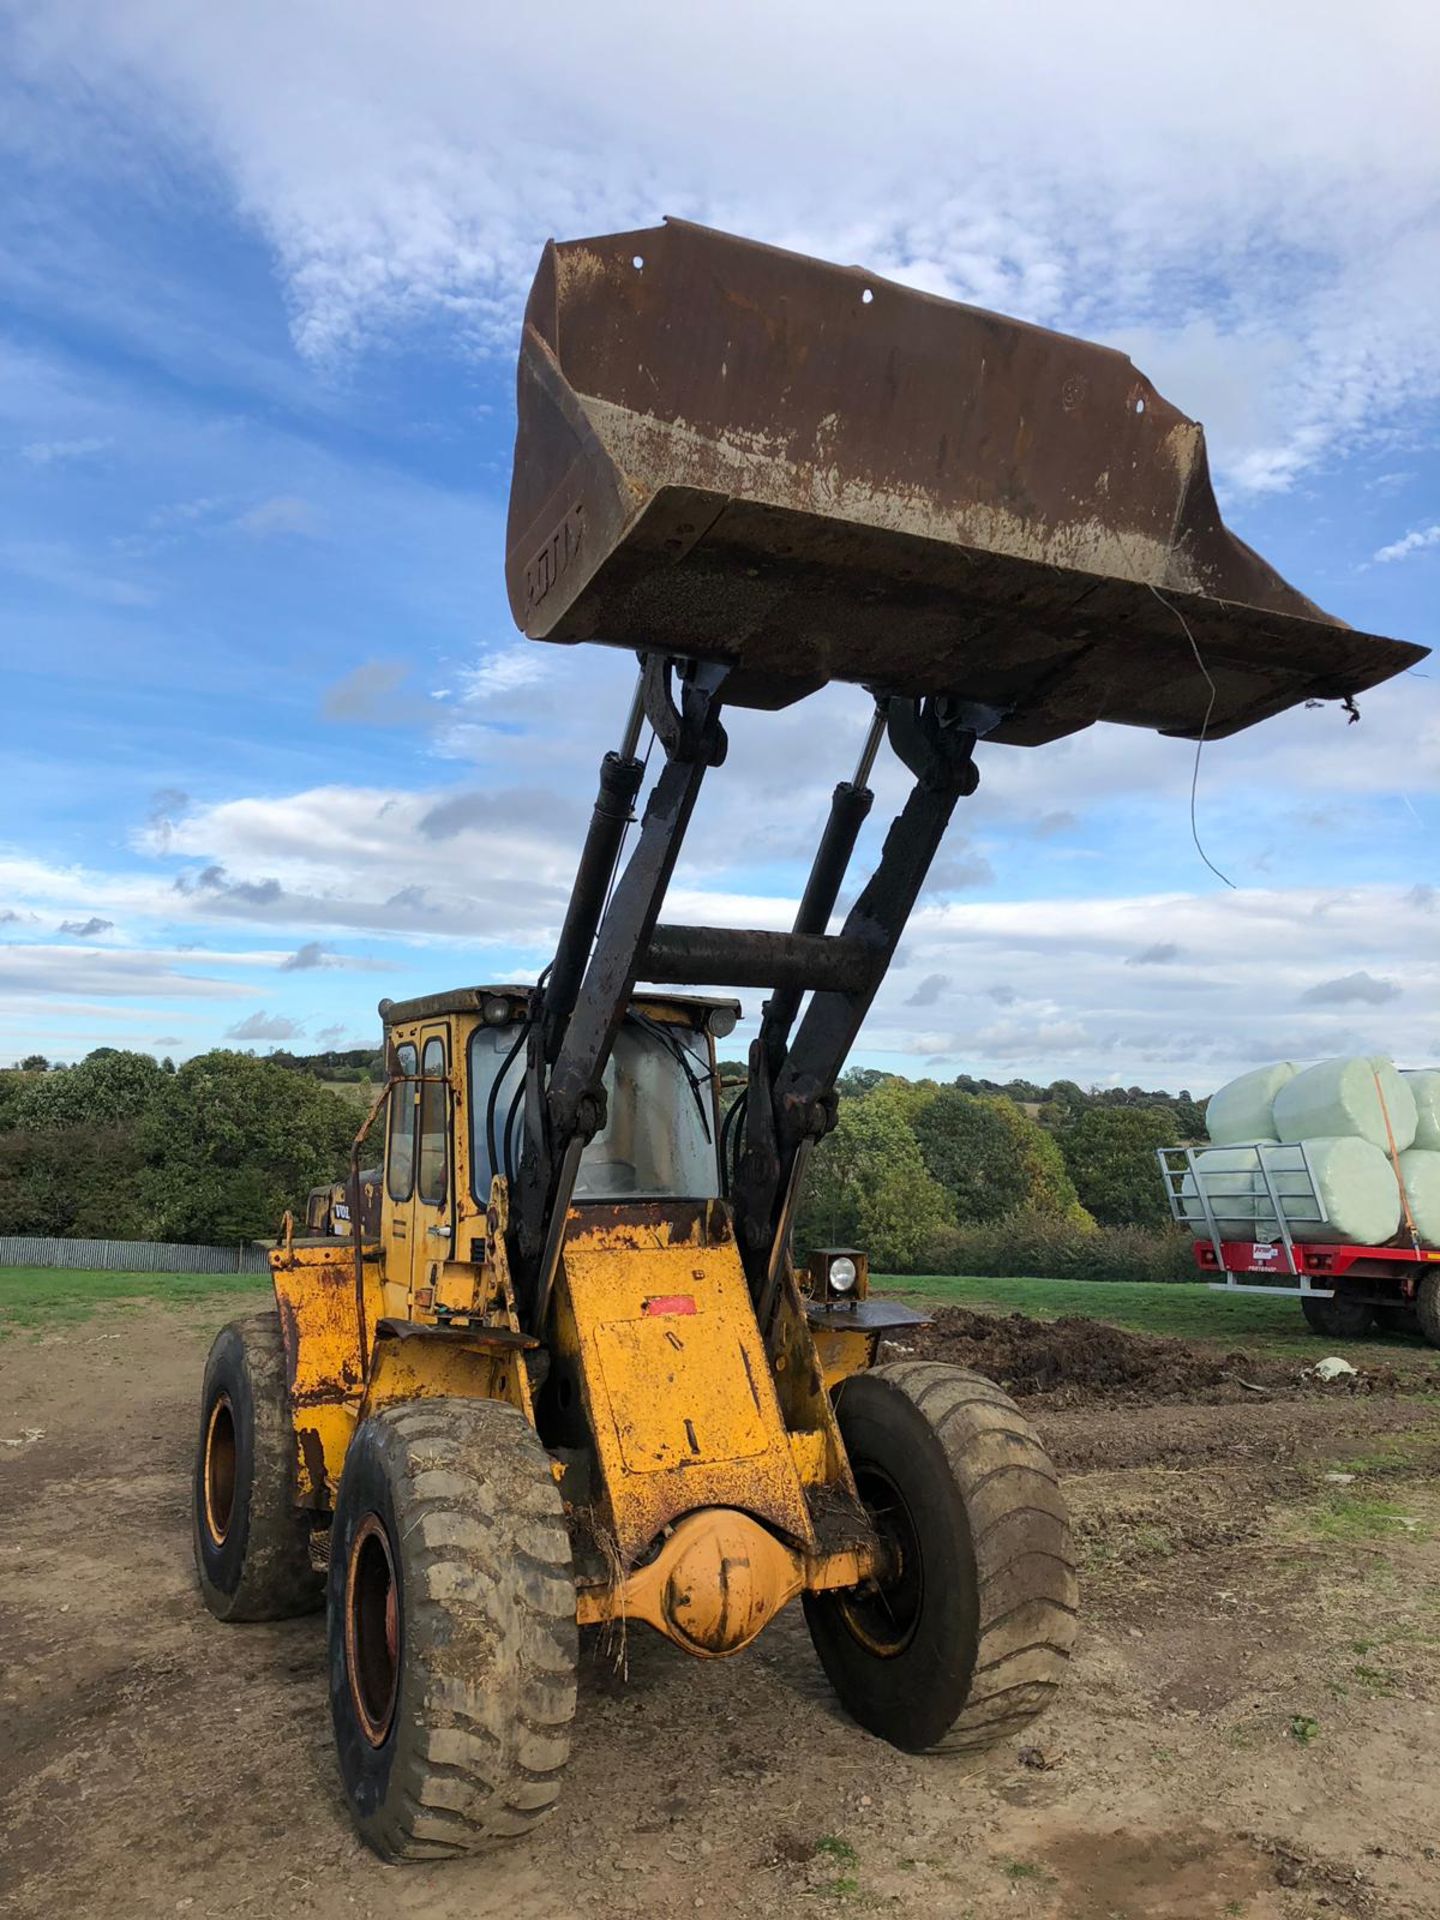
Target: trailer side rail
1274,1189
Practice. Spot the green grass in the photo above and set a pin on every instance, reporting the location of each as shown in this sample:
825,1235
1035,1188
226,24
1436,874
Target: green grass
1026,1870
33,1297
837,1849
1187,1312
1352,1515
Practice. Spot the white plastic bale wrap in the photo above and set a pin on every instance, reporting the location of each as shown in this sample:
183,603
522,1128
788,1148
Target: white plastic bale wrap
1420,1170
1232,1182
1358,1192
1424,1083
1244,1109
1344,1097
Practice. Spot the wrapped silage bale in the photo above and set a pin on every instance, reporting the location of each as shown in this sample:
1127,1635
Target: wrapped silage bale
1244,1109
1343,1097
1420,1170
1358,1194
1424,1083
1235,1187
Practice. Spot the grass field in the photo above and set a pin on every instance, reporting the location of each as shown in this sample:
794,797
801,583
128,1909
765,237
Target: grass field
42,1296
32,1297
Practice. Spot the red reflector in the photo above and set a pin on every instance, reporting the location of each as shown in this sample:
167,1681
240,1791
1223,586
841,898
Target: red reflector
671,1303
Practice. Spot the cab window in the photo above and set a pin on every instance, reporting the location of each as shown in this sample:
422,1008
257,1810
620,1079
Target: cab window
497,1080
400,1145
434,1128
657,1142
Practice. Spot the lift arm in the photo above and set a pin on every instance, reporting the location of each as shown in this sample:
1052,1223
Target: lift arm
790,1098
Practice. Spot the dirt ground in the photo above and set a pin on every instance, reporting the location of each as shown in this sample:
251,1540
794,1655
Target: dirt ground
1248,1729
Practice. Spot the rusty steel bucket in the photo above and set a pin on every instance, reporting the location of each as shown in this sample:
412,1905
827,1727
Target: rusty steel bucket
733,453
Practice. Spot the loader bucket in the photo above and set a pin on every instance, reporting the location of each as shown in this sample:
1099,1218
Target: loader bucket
730,452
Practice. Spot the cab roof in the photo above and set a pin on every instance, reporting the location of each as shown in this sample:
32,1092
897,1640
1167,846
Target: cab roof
428,1006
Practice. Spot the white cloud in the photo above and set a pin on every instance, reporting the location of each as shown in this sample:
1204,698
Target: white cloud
49,453
284,513
1409,543
1246,984
1119,170
502,671
92,972
1223,980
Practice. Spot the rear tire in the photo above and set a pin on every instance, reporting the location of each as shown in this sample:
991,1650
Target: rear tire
1427,1308
968,1638
453,1644
251,1540
1338,1318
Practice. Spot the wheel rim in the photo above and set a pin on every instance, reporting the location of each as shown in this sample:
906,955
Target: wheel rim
219,1472
372,1629
884,1614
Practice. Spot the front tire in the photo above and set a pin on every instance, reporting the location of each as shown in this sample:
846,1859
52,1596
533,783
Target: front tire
1338,1318
967,1637
251,1540
453,1644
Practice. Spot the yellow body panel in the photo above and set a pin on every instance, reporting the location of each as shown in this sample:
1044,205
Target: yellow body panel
422,1363
676,1381
842,1351
329,1332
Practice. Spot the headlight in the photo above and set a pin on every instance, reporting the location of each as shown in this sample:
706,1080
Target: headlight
495,1010
842,1274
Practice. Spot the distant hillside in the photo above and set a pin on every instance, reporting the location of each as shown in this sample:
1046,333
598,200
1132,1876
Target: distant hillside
356,1065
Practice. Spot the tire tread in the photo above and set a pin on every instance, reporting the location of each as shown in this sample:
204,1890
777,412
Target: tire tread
1022,1544
474,1499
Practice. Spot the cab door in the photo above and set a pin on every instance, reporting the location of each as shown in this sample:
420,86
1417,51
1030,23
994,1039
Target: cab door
398,1207
432,1211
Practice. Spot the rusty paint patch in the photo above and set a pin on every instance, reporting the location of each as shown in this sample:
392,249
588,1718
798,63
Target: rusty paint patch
312,1460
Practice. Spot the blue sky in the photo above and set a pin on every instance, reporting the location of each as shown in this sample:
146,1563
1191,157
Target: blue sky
273,746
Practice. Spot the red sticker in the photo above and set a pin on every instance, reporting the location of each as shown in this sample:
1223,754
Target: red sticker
667,1303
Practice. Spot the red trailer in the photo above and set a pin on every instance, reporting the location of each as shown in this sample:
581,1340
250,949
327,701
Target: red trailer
1343,1290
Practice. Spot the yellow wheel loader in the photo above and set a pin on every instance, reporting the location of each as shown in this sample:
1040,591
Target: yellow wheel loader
573,1375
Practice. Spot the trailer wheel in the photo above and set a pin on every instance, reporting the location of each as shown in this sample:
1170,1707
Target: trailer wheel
1427,1308
251,1540
453,1643
1338,1318
966,1637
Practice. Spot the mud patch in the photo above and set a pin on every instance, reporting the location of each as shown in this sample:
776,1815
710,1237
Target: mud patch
1075,1361
1164,1875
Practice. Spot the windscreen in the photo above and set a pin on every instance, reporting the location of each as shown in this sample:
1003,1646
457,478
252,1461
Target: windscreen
658,1139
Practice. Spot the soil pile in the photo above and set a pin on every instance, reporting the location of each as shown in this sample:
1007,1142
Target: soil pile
1073,1362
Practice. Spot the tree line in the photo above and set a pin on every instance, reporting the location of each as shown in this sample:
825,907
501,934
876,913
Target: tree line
121,1146
913,1166
124,1147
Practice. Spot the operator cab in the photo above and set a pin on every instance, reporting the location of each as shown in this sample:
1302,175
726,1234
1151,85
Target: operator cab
660,1132
455,1120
